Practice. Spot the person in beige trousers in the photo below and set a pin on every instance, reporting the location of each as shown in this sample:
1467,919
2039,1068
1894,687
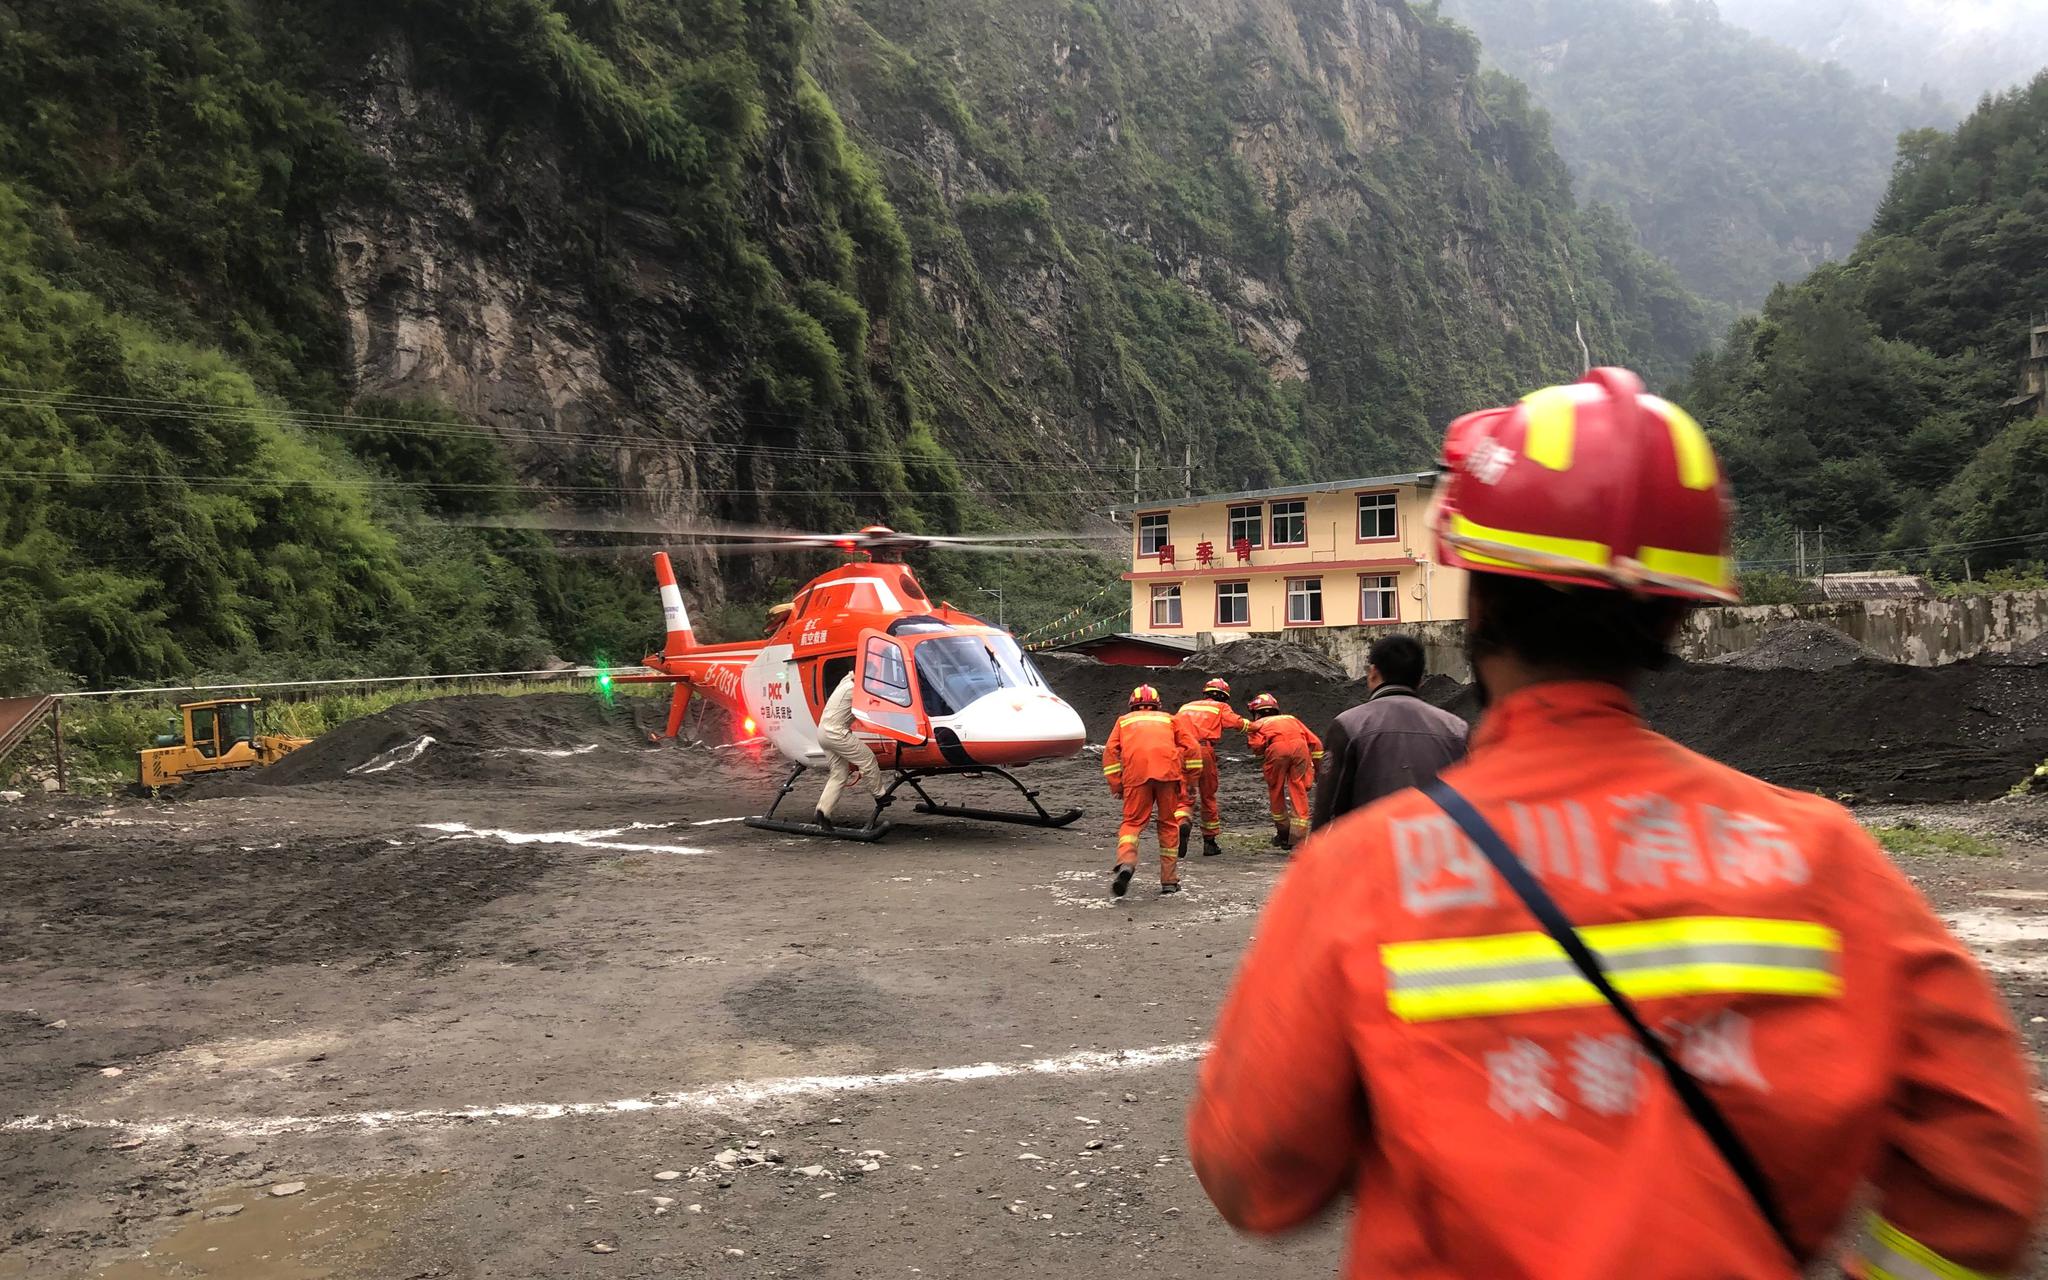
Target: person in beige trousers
850,757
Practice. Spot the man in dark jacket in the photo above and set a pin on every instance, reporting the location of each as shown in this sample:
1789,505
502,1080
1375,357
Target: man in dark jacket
1390,741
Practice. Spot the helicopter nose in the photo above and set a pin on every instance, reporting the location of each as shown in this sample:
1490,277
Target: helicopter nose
1016,726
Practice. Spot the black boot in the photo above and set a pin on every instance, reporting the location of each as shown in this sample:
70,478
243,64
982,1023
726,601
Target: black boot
1170,888
1209,847
1122,880
824,820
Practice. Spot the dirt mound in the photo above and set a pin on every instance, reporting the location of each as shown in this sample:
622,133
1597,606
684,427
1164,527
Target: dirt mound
1798,646
1101,692
1863,731
481,737
1266,658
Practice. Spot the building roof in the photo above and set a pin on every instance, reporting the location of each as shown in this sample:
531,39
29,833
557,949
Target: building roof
1875,586
1126,511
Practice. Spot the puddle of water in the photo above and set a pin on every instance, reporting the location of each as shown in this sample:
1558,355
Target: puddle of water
398,755
330,1229
2004,943
584,839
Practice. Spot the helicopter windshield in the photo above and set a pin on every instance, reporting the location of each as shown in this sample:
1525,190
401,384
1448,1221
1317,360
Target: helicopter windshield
953,671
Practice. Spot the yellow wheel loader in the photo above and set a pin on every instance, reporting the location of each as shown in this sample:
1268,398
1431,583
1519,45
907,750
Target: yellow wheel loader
212,737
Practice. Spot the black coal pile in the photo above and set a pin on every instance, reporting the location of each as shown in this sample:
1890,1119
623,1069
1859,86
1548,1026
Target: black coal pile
1861,730
481,737
1799,646
1101,691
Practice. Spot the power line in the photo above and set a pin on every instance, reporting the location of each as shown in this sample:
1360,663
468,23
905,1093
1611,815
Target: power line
252,482
141,406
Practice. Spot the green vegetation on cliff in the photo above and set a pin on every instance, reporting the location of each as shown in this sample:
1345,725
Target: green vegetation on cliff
1740,162
1872,399
807,262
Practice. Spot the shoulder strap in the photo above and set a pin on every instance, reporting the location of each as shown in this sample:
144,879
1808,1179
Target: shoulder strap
1561,930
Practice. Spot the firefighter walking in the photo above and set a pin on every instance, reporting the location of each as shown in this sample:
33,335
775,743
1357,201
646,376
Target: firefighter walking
1591,1005
1207,717
1148,760
1288,750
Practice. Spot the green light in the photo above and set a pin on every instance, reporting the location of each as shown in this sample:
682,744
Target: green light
604,681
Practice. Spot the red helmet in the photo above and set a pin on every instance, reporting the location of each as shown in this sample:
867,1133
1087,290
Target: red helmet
1218,685
1264,702
1595,482
1144,696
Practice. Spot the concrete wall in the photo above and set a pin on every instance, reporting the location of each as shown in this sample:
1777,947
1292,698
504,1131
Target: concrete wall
1921,633
1331,552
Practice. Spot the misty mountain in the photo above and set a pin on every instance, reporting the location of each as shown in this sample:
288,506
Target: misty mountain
1738,161
1961,49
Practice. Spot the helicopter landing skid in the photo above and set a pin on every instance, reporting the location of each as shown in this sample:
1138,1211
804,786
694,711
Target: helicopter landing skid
1039,817
872,832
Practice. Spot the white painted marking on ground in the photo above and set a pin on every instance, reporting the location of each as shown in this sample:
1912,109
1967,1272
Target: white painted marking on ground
713,822
582,839
2003,943
543,751
399,755
734,1095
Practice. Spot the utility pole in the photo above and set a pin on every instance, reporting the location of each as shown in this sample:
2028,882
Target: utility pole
1187,472
1822,534
1137,452
1799,556
998,594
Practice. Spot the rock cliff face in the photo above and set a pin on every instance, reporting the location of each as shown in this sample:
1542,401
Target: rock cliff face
1275,236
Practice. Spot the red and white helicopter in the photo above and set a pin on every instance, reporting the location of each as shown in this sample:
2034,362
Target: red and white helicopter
939,692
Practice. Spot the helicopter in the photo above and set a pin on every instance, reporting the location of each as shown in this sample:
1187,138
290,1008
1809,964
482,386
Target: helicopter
939,692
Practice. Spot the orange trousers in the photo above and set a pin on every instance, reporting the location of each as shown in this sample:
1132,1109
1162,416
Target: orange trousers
1203,787
1140,800
1287,783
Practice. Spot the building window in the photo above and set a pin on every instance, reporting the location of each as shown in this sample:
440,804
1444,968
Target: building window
1304,602
1166,605
1290,523
1247,526
1378,598
1233,604
1152,533
1376,517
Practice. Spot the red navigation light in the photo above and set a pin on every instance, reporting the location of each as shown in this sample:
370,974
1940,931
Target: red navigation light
749,727
844,544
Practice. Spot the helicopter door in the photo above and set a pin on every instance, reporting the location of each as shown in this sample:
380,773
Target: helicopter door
885,699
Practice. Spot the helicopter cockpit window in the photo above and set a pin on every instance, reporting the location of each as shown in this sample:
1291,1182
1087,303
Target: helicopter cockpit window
1018,667
953,671
884,674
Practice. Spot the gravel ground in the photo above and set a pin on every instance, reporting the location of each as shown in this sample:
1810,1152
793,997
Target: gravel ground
387,988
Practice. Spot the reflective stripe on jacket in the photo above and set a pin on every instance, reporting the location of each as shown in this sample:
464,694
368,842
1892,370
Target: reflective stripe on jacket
1403,1030
1208,718
1280,736
1150,746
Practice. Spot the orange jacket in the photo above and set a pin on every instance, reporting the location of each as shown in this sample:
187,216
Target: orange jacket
1402,1028
1208,718
1280,736
1150,746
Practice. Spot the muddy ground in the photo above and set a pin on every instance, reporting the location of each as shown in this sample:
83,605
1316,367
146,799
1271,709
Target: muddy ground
480,1000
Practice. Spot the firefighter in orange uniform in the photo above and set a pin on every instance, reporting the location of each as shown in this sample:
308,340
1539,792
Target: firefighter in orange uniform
1149,758
1289,752
1207,717
1594,1005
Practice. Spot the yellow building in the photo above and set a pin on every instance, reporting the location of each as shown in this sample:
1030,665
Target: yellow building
1342,554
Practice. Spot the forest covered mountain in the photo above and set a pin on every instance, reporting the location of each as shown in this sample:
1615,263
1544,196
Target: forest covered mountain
1878,398
1961,49
297,293
1740,162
